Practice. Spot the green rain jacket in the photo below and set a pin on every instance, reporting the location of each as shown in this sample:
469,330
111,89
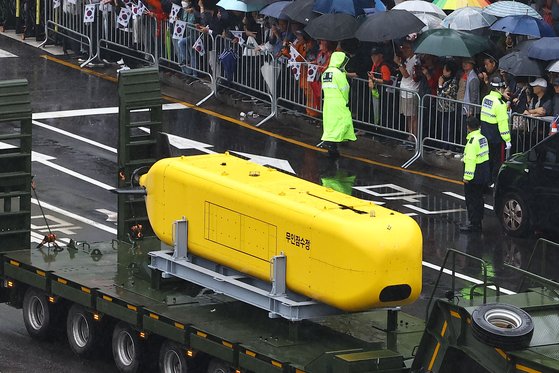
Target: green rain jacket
476,158
337,121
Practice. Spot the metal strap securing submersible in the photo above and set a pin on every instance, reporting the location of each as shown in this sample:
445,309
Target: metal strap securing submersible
51,237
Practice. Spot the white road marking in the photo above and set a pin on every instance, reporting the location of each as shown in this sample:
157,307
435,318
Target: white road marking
5,54
74,136
46,160
427,212
77,217
184,143
281,164
111,215
464,277
96,111
455,195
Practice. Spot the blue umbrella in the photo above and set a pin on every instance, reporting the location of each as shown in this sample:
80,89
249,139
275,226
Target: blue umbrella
546,49
523,25
353,7
275,10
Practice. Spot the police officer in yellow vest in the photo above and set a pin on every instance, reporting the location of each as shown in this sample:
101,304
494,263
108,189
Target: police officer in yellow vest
476,174
337,121
495,124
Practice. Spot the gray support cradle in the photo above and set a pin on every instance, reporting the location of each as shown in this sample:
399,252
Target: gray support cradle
273,297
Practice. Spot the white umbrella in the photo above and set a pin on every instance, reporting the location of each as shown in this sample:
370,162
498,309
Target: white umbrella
420,6
553,67
468,19
241,6
511,8
431,21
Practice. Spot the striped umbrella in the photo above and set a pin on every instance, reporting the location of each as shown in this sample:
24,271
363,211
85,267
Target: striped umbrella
468,19
511,8
458,4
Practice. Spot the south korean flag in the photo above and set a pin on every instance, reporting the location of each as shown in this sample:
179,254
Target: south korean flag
198,46
138,10
89,13
55,4
239,36
174,13
124,17
311,72
72,2
180,26
128,3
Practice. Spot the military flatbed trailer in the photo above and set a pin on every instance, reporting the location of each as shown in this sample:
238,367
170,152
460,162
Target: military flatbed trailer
106,295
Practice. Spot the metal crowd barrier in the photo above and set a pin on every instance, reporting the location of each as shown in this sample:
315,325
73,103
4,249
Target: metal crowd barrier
444,123
67,21
179,54
246,70
295,92
137,41
527,131
379,112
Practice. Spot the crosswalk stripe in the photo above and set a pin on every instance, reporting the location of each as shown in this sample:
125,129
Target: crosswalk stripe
4,53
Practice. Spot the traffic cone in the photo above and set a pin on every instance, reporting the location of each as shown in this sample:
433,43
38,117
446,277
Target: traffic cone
553,129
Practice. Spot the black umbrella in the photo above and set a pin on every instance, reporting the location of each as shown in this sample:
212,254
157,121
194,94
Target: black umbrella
519,64
300,11
335,27
392,24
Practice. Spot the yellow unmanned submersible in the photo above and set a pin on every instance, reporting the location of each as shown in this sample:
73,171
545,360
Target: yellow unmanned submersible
343,251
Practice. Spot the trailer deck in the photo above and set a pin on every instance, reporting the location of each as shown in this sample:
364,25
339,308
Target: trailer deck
112,279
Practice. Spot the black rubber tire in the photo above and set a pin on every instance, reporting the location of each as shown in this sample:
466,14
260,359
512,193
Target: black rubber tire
172,358
514,215
37,314
218,366
128,349
82,331
503,326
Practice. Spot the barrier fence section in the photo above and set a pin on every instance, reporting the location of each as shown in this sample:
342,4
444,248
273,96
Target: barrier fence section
190,51
247,70
526,131
67,20
444,124
297,89
388,111
136,41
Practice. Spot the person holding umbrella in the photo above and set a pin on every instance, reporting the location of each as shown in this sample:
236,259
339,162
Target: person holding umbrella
336,118
495,123
409,84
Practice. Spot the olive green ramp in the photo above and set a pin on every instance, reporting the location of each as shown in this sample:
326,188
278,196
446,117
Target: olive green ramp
140,124
15,165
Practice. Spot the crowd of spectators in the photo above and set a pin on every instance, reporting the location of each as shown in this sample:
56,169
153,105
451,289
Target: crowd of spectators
393,63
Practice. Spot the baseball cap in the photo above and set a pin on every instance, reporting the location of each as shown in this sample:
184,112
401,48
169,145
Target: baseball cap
540,82
497,82
376,50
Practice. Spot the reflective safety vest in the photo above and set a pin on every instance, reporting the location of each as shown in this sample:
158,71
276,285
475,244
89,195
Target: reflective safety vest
494,112
476,153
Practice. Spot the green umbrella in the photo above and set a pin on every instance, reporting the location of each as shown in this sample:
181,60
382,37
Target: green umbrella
449,42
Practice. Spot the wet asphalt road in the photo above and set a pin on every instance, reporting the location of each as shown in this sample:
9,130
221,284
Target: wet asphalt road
73,176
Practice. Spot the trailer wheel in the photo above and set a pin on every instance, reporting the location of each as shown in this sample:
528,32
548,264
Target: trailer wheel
172,358
82,331
127,348
502,326
218,366
36,314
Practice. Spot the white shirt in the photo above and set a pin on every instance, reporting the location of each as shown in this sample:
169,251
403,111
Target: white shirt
408,83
